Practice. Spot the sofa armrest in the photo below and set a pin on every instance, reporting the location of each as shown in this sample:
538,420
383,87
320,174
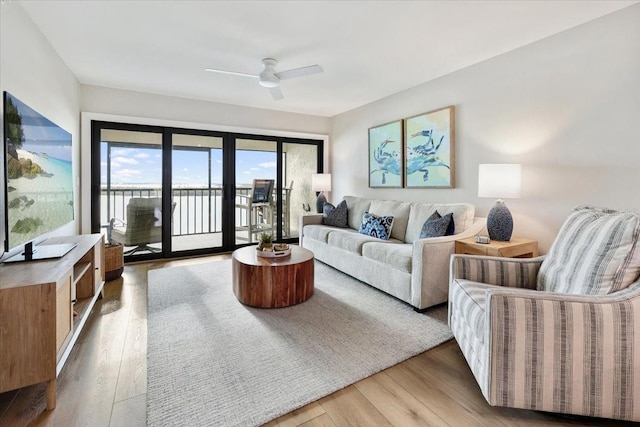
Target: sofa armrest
568,345
509,272
430,266
307,219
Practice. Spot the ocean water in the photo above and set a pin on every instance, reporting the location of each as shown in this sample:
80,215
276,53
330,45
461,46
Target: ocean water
45,202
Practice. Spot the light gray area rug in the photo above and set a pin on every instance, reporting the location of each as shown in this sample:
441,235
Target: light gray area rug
213,361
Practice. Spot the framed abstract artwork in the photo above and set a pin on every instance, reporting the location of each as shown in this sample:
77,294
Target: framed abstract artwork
429,148
385,155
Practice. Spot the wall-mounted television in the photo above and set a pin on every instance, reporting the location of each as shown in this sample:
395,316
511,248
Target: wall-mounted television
38,176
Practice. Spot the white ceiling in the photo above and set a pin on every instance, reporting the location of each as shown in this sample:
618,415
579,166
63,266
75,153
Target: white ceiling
368,49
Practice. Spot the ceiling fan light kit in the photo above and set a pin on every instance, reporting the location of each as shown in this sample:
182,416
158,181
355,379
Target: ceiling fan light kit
270,79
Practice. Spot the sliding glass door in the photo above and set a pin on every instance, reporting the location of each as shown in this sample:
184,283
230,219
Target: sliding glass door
164,192
197,196
255,185
130,190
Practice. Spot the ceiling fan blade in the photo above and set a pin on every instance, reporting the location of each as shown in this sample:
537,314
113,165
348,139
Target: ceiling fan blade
235,73
299,72
276,93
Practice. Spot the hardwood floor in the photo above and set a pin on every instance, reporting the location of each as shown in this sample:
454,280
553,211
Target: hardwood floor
104,381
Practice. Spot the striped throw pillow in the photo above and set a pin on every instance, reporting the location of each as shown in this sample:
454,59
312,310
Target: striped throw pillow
596,253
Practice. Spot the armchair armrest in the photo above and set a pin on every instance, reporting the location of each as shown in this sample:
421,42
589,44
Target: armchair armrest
113,221
308,219
112,225
243,201
509,272
543,344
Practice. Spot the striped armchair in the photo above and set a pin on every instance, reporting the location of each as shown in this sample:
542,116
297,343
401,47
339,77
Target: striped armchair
559,333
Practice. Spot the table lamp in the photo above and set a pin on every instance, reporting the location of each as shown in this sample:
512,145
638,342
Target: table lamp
499,181
321,182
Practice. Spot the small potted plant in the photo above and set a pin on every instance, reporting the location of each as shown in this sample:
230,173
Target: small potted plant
266,242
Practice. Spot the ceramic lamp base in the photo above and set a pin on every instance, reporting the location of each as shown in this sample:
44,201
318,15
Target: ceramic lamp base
320,201
500,222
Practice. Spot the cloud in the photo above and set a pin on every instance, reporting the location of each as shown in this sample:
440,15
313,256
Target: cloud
141,155
247,173
117,161
129,172
254,169
267,165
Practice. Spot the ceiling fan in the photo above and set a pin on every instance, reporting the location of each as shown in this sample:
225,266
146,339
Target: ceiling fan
270,79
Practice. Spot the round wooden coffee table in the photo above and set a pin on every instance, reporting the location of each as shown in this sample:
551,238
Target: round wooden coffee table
272,282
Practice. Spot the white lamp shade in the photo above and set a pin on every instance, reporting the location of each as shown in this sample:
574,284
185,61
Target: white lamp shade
321,182
501,181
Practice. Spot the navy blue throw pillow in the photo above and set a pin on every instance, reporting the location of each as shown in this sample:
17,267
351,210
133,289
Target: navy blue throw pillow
437,226
335,215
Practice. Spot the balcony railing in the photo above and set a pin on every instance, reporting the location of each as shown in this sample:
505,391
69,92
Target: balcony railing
197,210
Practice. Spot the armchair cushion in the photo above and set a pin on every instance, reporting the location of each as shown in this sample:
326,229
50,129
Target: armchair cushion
596,253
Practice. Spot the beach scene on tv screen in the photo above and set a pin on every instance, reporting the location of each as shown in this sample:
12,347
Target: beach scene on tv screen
39,173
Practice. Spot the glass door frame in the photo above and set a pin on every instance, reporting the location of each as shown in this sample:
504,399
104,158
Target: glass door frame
280,185
96,227
228,180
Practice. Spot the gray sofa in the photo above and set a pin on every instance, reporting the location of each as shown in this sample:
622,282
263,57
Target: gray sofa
411,269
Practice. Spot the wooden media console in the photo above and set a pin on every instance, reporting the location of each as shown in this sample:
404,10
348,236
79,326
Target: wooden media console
38,299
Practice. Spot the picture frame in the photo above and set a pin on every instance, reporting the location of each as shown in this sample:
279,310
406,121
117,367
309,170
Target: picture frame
386,160
429,149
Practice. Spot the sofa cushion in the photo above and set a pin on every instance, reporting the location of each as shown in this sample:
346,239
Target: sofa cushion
438,226
318,232
463,214
596,253
470,299
349,240
395,255
335,215
356,207
398,210
376,226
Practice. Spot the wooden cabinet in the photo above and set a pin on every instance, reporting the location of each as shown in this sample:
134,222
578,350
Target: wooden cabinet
515,248
38,299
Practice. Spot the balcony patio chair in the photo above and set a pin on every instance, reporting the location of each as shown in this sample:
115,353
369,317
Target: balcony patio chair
142,227
257,209
286,210
559,333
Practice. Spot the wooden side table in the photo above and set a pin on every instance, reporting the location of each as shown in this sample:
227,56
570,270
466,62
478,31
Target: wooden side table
114,261
515,248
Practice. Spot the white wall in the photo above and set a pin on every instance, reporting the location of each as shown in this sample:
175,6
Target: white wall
567,108
98,99
32,71
100,103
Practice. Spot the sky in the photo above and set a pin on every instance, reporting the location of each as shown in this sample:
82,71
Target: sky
144,166
41,134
